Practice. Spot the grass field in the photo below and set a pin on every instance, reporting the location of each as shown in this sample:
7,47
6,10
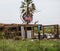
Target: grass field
29,45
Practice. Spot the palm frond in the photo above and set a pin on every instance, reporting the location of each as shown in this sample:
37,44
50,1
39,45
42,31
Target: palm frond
33,6
23,4
28,1
23,10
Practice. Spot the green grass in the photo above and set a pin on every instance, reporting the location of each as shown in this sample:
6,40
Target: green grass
50,45
29,45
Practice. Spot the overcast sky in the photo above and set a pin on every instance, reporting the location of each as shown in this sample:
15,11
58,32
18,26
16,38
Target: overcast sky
47,11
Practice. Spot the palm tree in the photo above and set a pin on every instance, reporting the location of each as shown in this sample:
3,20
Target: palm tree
27,10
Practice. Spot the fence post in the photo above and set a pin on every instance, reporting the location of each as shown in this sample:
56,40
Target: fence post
39,31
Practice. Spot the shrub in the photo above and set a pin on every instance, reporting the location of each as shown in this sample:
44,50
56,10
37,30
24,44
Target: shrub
2,34
17,38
